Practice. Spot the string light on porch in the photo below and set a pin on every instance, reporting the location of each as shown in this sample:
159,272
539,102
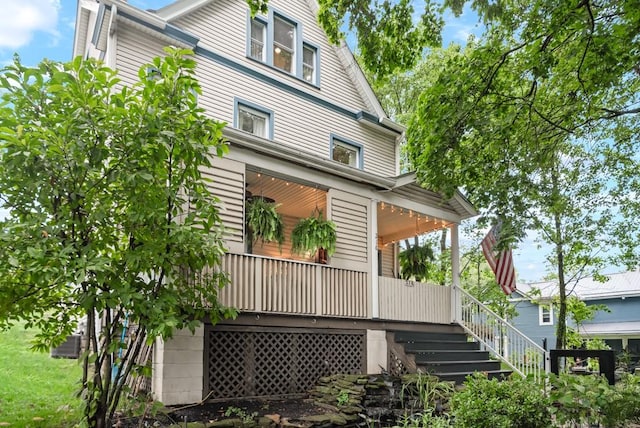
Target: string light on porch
382,206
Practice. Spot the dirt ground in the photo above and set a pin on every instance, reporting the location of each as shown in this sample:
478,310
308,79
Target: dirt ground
285,410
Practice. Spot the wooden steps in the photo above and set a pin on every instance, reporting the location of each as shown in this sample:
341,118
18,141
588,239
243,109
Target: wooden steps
447,355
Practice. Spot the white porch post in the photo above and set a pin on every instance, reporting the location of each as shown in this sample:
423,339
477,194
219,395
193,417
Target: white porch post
456,301
373,254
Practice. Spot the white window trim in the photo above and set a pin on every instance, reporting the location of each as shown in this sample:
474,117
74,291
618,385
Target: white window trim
541,307
352,144
262,111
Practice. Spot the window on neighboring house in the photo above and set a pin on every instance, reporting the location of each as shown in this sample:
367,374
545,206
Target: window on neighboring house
284,42
546,314
346,152
309,63
258,40
254,120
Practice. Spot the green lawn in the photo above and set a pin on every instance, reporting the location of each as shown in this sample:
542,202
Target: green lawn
35,389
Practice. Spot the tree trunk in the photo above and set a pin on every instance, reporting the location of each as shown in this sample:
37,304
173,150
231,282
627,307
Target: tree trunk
561,329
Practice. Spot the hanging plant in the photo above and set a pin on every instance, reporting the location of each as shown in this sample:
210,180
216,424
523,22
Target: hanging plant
314,233
264,221
415,261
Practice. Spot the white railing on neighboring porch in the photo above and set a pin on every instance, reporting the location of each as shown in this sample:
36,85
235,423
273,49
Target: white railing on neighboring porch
404,300
262,284
519,352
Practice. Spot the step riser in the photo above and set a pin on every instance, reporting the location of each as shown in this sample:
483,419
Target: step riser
451,356
441,346
460,378
462,366
428,337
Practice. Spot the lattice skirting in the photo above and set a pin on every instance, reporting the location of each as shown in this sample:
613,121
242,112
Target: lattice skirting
267,362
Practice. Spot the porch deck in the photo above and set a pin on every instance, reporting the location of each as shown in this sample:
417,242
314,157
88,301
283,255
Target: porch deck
277,286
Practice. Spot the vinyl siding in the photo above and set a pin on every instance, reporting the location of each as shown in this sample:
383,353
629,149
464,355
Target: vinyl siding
222,25
528,322
622,310
298,123
350,214
226,181
388,269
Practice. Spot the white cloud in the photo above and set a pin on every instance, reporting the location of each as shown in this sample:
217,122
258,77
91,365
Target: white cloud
20,19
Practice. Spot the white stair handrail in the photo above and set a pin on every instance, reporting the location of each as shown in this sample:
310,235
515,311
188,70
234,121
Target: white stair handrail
502,339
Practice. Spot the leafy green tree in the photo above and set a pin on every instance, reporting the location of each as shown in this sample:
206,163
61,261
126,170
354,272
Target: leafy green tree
109,215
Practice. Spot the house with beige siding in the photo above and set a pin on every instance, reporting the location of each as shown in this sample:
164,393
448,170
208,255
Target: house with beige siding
306,131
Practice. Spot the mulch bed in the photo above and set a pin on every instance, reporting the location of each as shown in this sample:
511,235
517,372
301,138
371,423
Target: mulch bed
287,412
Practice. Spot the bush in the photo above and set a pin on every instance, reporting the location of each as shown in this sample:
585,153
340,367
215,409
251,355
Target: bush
490,403
591,400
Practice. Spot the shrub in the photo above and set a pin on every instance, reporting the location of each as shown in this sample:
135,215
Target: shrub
490,403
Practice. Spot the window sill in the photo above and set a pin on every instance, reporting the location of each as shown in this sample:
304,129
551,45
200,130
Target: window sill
271,67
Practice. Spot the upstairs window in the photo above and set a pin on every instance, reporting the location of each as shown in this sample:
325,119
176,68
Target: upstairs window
308,63
545,314
253,119
284,42
258,40
276,40
346,152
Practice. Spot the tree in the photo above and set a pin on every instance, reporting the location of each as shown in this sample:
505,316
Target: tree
109,215
536,121
531,161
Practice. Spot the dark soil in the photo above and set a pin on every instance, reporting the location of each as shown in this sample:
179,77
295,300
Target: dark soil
285,410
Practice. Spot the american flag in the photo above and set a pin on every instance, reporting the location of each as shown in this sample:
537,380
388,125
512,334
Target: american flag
501,263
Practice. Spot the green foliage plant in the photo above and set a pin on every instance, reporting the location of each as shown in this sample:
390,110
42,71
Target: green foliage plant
313,233
493,403
264,221
416,261
246,417
109,215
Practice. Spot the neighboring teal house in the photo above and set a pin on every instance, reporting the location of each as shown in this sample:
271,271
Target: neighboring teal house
620,328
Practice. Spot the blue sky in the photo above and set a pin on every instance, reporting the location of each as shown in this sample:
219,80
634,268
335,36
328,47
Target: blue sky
38,29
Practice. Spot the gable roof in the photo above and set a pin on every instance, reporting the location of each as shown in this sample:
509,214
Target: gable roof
181,8
623,284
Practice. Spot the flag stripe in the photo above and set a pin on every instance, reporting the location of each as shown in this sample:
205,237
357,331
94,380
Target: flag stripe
502,265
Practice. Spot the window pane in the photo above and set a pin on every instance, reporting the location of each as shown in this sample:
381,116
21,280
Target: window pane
283,33
283,45
308,63
252,121
257,40
345,155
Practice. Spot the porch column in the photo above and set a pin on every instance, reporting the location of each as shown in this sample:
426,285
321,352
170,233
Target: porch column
456,301
373,255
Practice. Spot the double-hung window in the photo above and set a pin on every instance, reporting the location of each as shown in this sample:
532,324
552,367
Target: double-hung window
545,312
258,40
284,43
308,63
253,119
276,40
346,152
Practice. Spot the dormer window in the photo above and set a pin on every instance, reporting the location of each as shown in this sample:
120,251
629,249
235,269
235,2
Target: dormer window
276,40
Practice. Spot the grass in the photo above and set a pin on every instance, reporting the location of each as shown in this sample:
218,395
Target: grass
35,389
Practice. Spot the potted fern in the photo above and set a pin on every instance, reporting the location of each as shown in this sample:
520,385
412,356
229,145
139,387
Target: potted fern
415,260
314,235
264,222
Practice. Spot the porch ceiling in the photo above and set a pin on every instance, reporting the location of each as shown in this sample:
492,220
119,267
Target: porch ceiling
299,200
295,199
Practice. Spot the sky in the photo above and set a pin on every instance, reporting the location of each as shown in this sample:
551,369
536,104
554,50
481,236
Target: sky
38,29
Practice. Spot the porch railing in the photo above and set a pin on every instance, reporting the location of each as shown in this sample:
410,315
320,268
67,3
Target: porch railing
404,300
502,339
262,284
